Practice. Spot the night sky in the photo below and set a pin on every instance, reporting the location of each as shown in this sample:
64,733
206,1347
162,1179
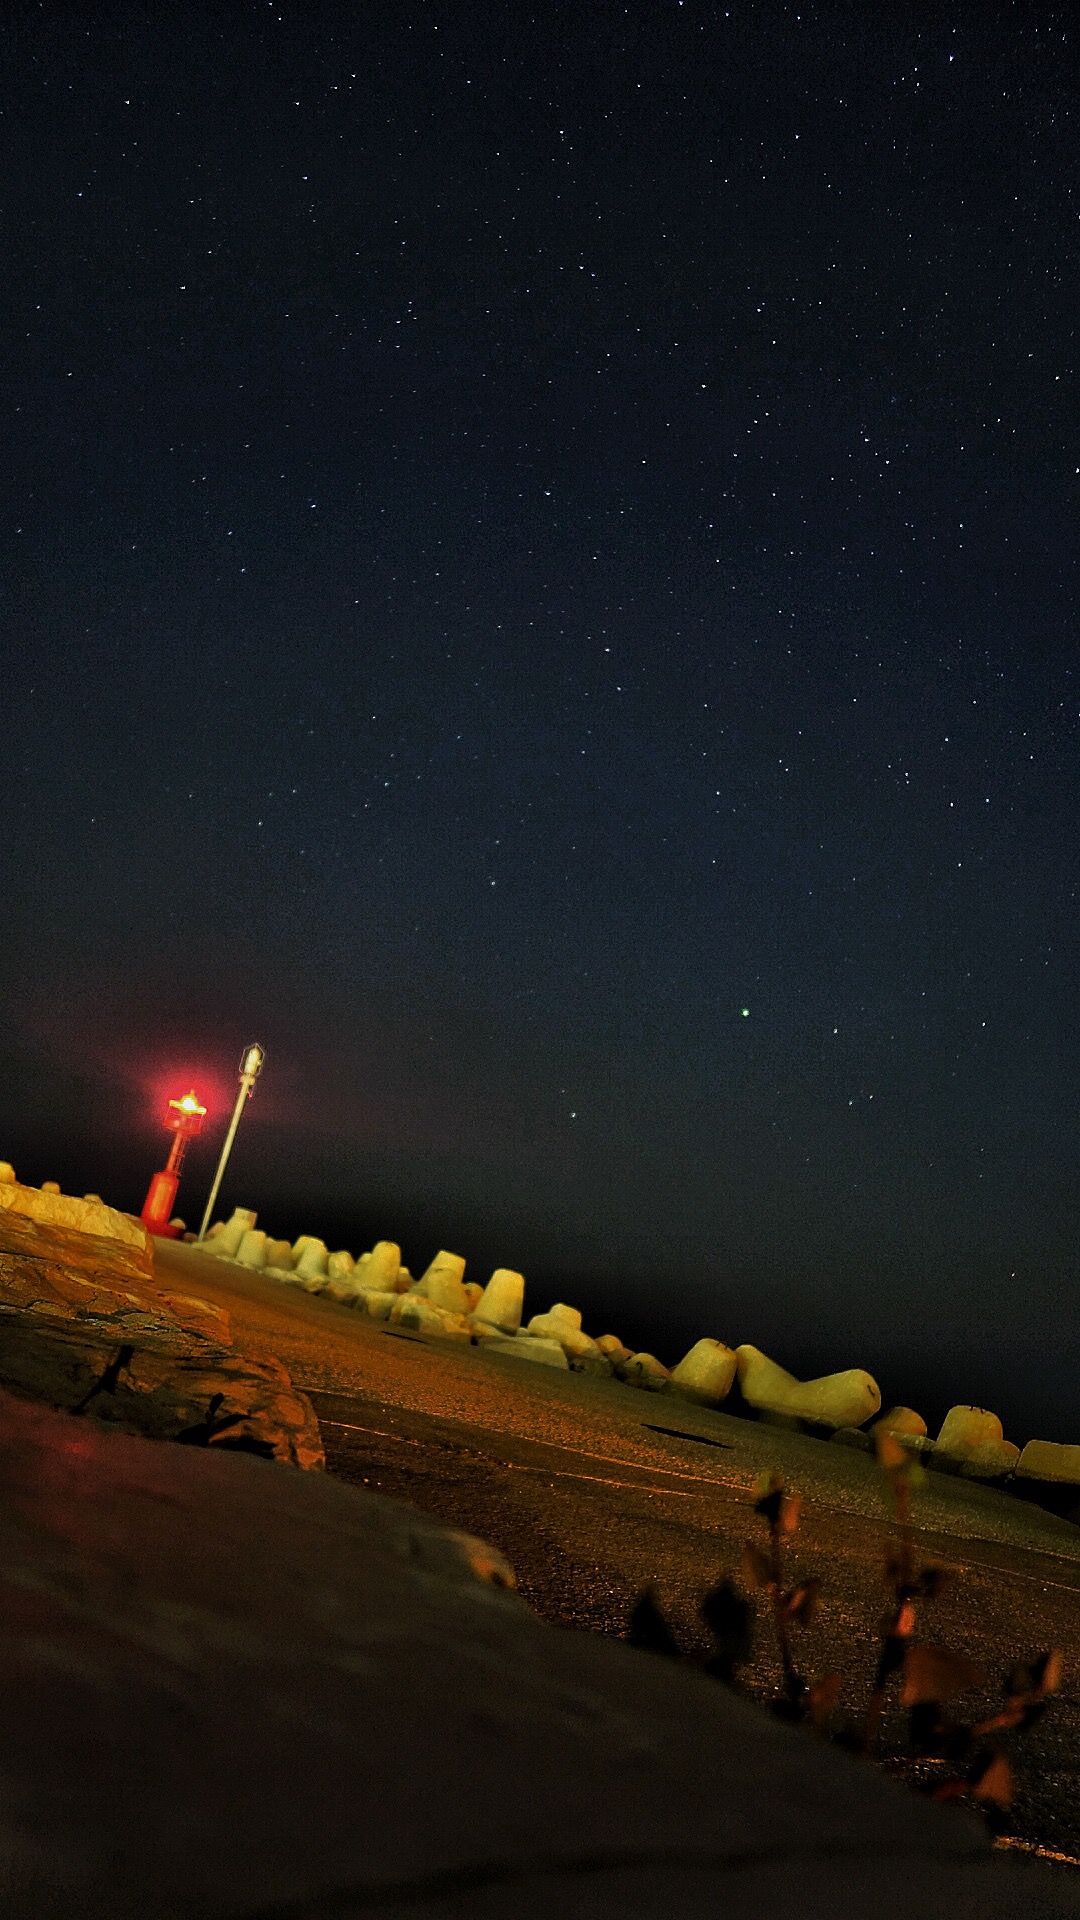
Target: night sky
540,582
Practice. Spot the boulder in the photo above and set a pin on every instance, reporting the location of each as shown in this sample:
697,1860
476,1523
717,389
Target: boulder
902,1421
835,1400
706,1373
502,1300
1049,1460
252,1249
474,1293
441,1283
524,1346
644,1370
279,1255
7,1174
341,1265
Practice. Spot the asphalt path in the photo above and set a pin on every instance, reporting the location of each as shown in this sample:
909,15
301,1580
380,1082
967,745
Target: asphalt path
596,1491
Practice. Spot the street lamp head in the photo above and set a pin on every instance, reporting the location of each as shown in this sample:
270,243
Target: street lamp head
252,1062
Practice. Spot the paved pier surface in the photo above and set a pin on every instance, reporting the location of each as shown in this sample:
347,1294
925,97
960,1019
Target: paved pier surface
595,1490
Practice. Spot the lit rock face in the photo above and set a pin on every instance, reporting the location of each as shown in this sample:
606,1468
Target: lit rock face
973,1437
89,1329
836,1400
502,1301
53,1208
706,1373
548,1353
442,1283
903,1421
1046,1460
646,1371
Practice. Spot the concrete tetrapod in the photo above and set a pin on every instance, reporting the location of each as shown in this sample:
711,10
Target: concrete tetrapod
526,1346
836,1400
502,1302
412,1312
972,1438
382,1266
1050,1460
904,1422
227,1237
706,1373
252,1249
646,1371
442,1283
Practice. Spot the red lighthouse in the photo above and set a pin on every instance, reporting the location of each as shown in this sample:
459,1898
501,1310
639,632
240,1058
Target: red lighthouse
184,1120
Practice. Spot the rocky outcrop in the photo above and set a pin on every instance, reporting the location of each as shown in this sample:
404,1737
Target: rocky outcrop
84,1327
50,1208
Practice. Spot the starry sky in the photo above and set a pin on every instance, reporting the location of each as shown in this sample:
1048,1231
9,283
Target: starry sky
540,582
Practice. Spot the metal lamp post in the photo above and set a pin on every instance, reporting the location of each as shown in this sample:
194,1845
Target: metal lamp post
250,1068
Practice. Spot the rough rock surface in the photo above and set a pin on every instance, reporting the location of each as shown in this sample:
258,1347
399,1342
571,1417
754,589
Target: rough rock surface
51,1208
199,1660
836,1399
84,1326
